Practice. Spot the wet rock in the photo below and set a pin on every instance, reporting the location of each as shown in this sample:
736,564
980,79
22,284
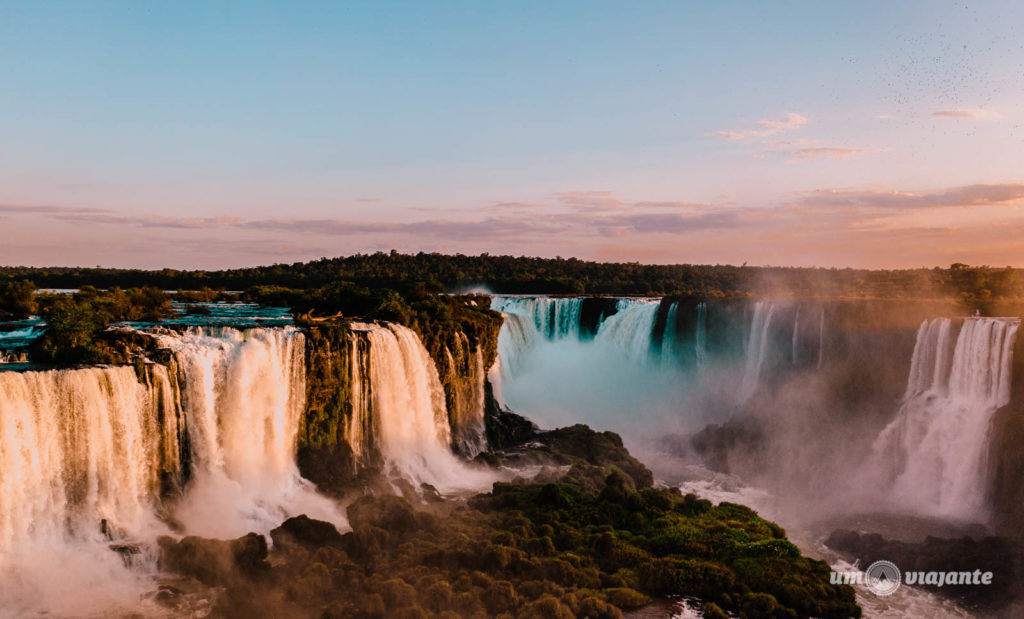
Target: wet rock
212,561
306,531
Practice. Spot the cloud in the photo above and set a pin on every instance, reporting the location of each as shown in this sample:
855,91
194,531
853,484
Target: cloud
145,221
589,200
968,195
973,114
48,209
767,128
507,227
825,152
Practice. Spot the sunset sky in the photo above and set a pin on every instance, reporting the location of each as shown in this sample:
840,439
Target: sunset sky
224,134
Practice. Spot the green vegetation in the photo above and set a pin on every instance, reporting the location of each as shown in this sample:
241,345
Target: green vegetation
411,275
534,550
76,331
17,299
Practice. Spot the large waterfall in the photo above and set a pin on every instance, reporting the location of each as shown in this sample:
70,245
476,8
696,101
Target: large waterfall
553,317
934,451
243,394
612,380
86,456
81,446
407,407
628,331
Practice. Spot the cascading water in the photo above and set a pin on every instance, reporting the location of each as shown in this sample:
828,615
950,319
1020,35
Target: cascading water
756,349
933,452
554,318
243,393
467,414
628,331
82,456
573,379
81,446
700,336
407,405
668,336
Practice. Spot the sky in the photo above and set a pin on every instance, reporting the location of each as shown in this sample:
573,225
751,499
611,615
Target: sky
228,134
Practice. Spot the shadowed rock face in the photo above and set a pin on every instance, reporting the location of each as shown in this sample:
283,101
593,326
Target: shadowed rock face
305,531
215,562
1006,458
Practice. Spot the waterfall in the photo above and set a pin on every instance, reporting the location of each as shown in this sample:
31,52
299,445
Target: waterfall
82,456
668,336
517,336
628,331
81,446
756,349
700,336
554,318
934,451
243,393
467,414
407,405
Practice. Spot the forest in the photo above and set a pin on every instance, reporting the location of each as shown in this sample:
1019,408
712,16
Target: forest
525,275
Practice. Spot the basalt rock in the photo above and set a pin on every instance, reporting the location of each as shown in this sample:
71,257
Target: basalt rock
215,562
306,531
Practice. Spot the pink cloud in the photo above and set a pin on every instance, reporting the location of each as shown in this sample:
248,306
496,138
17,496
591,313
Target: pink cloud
825,152
767,128
973,114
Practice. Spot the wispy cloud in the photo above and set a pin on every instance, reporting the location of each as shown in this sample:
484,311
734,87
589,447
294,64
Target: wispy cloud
144,221
48,209
589,200
972,114
968,195
766,128
825,152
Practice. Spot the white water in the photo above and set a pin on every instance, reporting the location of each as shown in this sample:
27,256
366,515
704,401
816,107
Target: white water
668,336
408,407
610,381
700,338
628,330
78,447
553,317
756,349
936,446
243,393
467,417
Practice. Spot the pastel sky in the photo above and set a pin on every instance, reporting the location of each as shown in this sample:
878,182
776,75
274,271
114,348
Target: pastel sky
224,134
